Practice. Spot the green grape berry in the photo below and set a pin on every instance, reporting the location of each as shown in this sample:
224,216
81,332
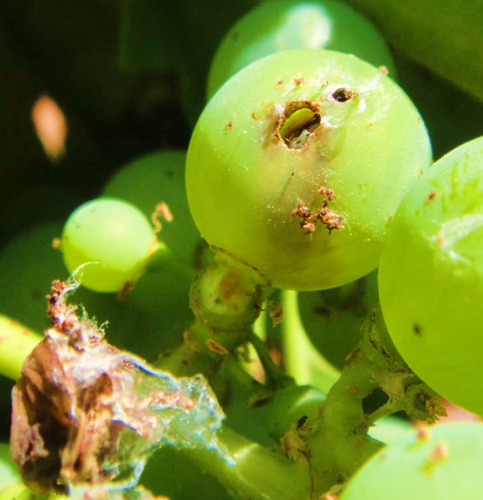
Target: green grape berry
159,178
442,462
278,25
113,238
431,277
299,161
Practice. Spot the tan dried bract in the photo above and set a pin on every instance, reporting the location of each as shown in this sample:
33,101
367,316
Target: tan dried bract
161,211
75,398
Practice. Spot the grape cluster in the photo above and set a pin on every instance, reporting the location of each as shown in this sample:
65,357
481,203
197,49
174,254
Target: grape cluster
309,175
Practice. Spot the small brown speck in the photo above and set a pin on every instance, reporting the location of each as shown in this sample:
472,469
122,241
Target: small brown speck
382,457
370,124
309,227
276,313
216,347
417,329
383,70
56,243
352,389
424,434
280,83
420,172
299,81
439,452
440,239
431,196
255,116
327,192
229,126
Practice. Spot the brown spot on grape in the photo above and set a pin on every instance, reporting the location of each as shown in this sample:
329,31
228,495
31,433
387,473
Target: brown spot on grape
229,126
323,311
438,455
280,83
420,172
327,192
440,239
56,243
383,70
254,116
299,81
439,452
417,329
431,196
424,434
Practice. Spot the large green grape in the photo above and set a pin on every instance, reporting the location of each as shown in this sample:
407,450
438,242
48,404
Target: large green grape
440,463
299,161
113,238
278,25
431,277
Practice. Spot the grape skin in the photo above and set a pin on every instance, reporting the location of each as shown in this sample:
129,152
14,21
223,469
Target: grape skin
160,178
277,25
431,277
442,462
114,241
247,186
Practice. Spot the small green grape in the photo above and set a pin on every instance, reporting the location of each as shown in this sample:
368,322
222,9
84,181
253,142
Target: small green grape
431,277
278,25
291,406
442,462
333,318
160,178
113,237
299,161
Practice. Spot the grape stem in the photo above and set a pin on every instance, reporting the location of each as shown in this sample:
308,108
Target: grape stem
256,472
302,361
343,424
276,378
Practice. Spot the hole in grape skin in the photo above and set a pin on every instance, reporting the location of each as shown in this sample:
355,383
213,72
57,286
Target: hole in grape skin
300,120
343,95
